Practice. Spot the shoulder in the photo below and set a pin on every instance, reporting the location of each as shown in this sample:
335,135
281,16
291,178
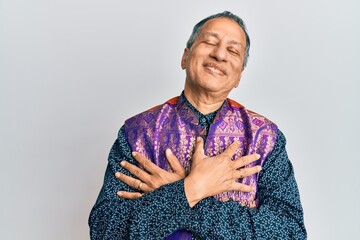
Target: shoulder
149,116
254,118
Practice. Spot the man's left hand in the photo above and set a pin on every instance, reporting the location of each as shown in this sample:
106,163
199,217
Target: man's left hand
151,178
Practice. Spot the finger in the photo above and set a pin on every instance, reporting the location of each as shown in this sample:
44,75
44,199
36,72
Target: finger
143,187
133,182
174,163
148,165
129,195
245,160
199,146
245,172
231,150
242,187
130,181
136,171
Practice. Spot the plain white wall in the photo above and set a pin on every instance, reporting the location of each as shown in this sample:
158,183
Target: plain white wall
72,71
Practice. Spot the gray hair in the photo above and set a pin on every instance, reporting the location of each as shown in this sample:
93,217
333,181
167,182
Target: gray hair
197,28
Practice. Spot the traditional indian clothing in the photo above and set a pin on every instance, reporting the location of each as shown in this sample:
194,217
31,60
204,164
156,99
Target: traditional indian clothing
272,209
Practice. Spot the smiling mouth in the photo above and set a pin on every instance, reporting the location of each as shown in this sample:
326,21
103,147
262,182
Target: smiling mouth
214,69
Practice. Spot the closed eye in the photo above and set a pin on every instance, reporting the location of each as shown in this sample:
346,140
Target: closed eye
233,51
210,43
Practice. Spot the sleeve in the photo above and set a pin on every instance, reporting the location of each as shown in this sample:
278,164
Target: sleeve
116,218
161,212
279,215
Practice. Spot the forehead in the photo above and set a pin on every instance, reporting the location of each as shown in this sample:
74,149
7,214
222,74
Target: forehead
224,27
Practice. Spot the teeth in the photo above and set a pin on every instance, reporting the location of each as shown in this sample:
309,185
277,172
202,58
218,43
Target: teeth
215,70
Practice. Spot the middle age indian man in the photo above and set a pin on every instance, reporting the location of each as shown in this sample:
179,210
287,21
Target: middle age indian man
201,166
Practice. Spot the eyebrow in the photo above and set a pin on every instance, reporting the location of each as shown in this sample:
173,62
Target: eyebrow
213,34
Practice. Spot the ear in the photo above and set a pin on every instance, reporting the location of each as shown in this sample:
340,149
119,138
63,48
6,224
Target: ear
238,82
184,58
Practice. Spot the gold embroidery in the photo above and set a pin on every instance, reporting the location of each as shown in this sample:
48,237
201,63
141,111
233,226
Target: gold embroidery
254,132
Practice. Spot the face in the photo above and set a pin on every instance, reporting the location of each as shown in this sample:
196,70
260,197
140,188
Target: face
214,62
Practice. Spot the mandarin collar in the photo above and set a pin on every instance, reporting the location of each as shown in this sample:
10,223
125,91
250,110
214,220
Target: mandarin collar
190,114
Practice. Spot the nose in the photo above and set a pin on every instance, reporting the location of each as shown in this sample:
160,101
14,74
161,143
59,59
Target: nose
219,53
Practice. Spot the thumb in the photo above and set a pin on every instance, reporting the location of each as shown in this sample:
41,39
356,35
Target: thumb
174,163
199,146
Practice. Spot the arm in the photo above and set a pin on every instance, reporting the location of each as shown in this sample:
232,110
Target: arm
279,215
113,217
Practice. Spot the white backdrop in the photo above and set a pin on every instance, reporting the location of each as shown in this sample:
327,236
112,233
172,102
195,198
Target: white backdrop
72,71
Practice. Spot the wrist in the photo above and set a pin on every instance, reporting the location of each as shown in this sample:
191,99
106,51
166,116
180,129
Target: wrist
192,193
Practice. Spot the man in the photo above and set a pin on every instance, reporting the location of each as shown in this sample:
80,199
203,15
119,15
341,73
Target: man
201,166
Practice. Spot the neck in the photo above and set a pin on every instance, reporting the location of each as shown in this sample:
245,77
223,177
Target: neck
203,102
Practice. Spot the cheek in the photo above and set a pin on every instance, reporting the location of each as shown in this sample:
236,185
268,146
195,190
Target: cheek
193,66
237,69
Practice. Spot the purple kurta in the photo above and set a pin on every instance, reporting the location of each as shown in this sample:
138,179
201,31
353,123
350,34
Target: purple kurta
174,125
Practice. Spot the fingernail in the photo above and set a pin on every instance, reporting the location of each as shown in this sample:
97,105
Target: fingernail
258,155
168,152
117,174
122,163
259,168
199,139
134,154
119,194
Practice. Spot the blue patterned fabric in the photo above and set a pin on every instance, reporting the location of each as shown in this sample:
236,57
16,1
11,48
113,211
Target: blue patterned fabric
160,213
204,120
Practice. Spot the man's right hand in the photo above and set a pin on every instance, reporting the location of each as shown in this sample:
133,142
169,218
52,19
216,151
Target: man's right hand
210,176
151,177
